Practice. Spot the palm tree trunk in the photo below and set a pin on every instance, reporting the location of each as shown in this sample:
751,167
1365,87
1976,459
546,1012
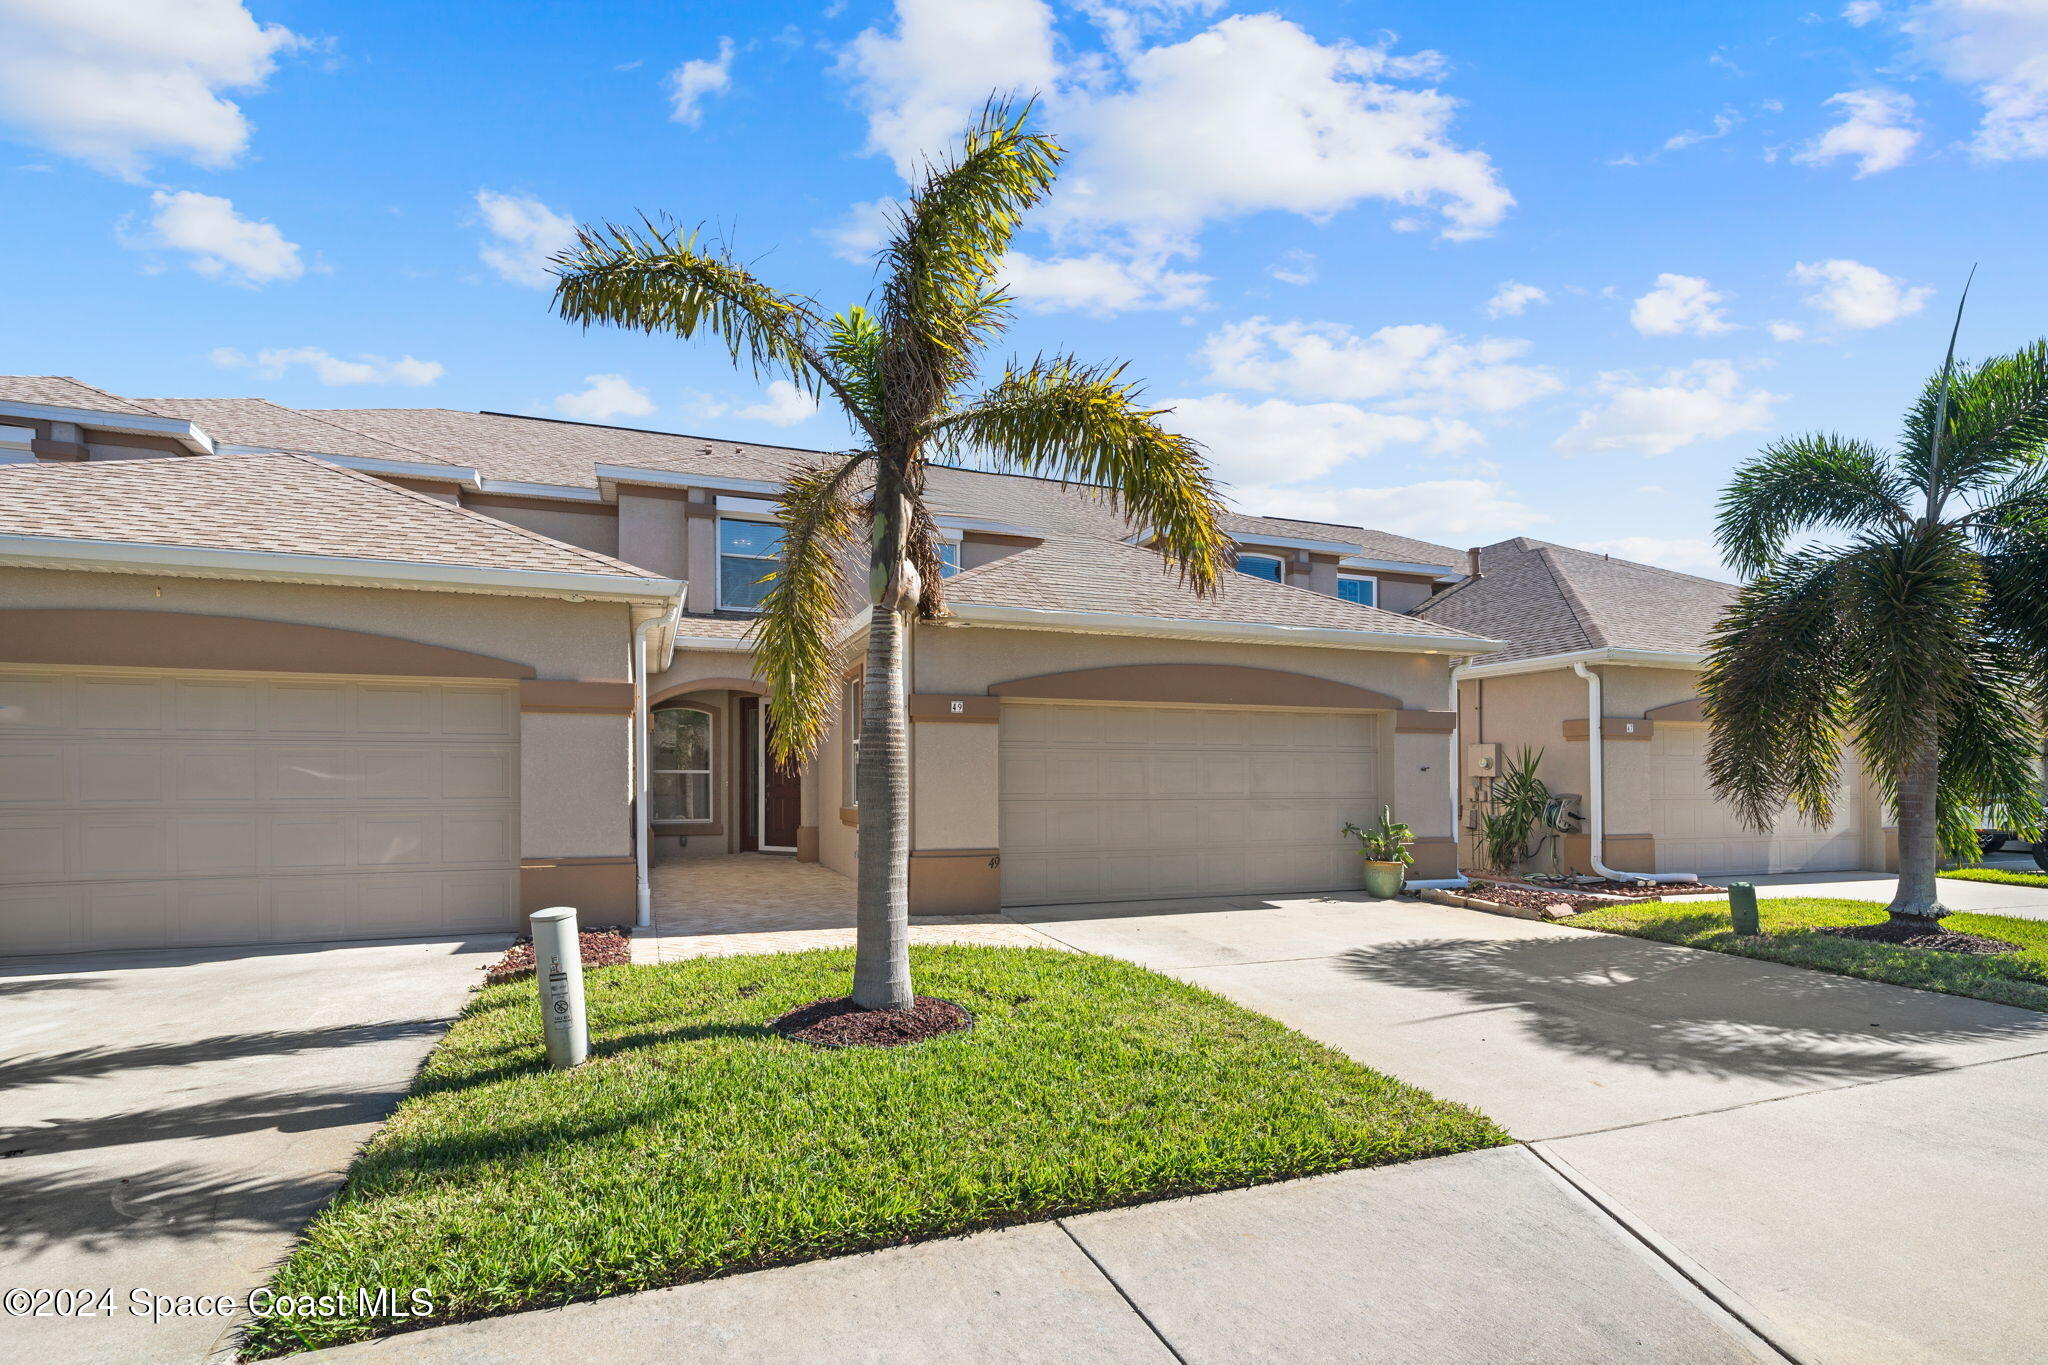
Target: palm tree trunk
1917,901
881,962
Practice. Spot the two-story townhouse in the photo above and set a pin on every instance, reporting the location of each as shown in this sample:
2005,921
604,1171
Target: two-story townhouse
258,659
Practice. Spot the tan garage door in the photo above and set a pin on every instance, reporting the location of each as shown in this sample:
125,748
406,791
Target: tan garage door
1129,802
153,810
1697,833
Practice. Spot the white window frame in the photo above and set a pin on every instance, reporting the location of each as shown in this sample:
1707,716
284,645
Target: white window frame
1279,567
719,555
1361,578
709,769
850,749
949,544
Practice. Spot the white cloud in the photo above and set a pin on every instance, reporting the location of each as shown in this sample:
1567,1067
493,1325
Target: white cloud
1724,123
1295,267
2000,49
221,243
1678,304
1785,331
1857,295
524,233
1704,401
604,397
330,369
1693,556
1414,366
1511,300
782,404
1101,282
118,85
1877,128
1461,511
862,232
1861,12
696,80
1252,115
922,83
1277,442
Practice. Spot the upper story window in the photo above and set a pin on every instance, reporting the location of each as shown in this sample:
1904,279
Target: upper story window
747,552
949,558
1260,566
679,763
1360,588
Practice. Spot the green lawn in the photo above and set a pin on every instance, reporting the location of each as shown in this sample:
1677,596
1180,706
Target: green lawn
2003,876
697,1142
2019,978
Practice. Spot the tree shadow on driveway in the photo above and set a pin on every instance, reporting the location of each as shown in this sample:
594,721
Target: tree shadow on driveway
1668,1009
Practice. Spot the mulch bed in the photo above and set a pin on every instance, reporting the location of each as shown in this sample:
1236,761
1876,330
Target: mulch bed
1529,897
838,1022
605,946
1608,887
1933,940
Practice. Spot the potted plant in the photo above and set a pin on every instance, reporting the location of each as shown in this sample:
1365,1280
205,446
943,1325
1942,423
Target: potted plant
1385,849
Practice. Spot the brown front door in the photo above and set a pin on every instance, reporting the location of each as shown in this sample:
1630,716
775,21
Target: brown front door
782,797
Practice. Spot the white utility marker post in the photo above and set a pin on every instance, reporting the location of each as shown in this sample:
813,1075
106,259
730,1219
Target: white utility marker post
558,967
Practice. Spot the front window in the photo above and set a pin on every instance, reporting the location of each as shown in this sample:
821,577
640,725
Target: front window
679,767
949,558
1260,566
747,553
1359,588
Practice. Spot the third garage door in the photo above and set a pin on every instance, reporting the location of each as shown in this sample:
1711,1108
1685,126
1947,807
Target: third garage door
1698,832
1131,802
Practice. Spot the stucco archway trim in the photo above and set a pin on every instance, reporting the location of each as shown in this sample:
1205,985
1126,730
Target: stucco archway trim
111,638
1196,684
752,686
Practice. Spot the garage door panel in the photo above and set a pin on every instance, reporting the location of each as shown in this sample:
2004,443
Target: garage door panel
199,809
1695,832
1183,800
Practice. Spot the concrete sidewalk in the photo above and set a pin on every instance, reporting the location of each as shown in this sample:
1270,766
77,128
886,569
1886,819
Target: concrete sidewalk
1489,1256
1983,898
1863,1168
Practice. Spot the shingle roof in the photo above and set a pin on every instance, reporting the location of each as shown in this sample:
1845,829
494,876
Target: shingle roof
61,391
280,504
258,422
1552,599
540,450
1109,576
1371,544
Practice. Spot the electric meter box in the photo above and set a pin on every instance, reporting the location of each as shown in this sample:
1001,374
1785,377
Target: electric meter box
1482,760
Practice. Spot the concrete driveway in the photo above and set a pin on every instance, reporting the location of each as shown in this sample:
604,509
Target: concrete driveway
169,1120
1857,1171
1982,898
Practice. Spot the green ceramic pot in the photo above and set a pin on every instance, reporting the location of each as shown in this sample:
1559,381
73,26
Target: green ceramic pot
1384,879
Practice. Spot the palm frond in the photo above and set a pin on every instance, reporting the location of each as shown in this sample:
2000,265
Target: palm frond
1801,484
854,347
940,304
1772,690
812,596
2016,603
1058,418
657,278
1996,424
1991,750
1914,604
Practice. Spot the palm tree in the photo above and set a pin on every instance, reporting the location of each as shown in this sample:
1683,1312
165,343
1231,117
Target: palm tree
1917,632
904,371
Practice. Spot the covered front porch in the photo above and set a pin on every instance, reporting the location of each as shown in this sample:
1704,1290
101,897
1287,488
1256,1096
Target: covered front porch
772,903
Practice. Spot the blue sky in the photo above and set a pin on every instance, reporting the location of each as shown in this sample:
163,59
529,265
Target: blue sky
1459,271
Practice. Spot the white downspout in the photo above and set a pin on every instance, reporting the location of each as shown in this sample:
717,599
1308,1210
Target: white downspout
643,890
1596,784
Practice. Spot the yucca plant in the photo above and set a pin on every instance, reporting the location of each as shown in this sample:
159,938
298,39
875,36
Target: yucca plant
905,370
1514,805
1915,634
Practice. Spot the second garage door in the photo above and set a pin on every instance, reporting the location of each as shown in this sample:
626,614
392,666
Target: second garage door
167,810
1131,802
1697,832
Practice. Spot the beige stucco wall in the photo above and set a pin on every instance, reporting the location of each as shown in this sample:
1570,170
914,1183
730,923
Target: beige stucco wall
953,804
575,803
593,526
1401,593
653,531
1516,710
